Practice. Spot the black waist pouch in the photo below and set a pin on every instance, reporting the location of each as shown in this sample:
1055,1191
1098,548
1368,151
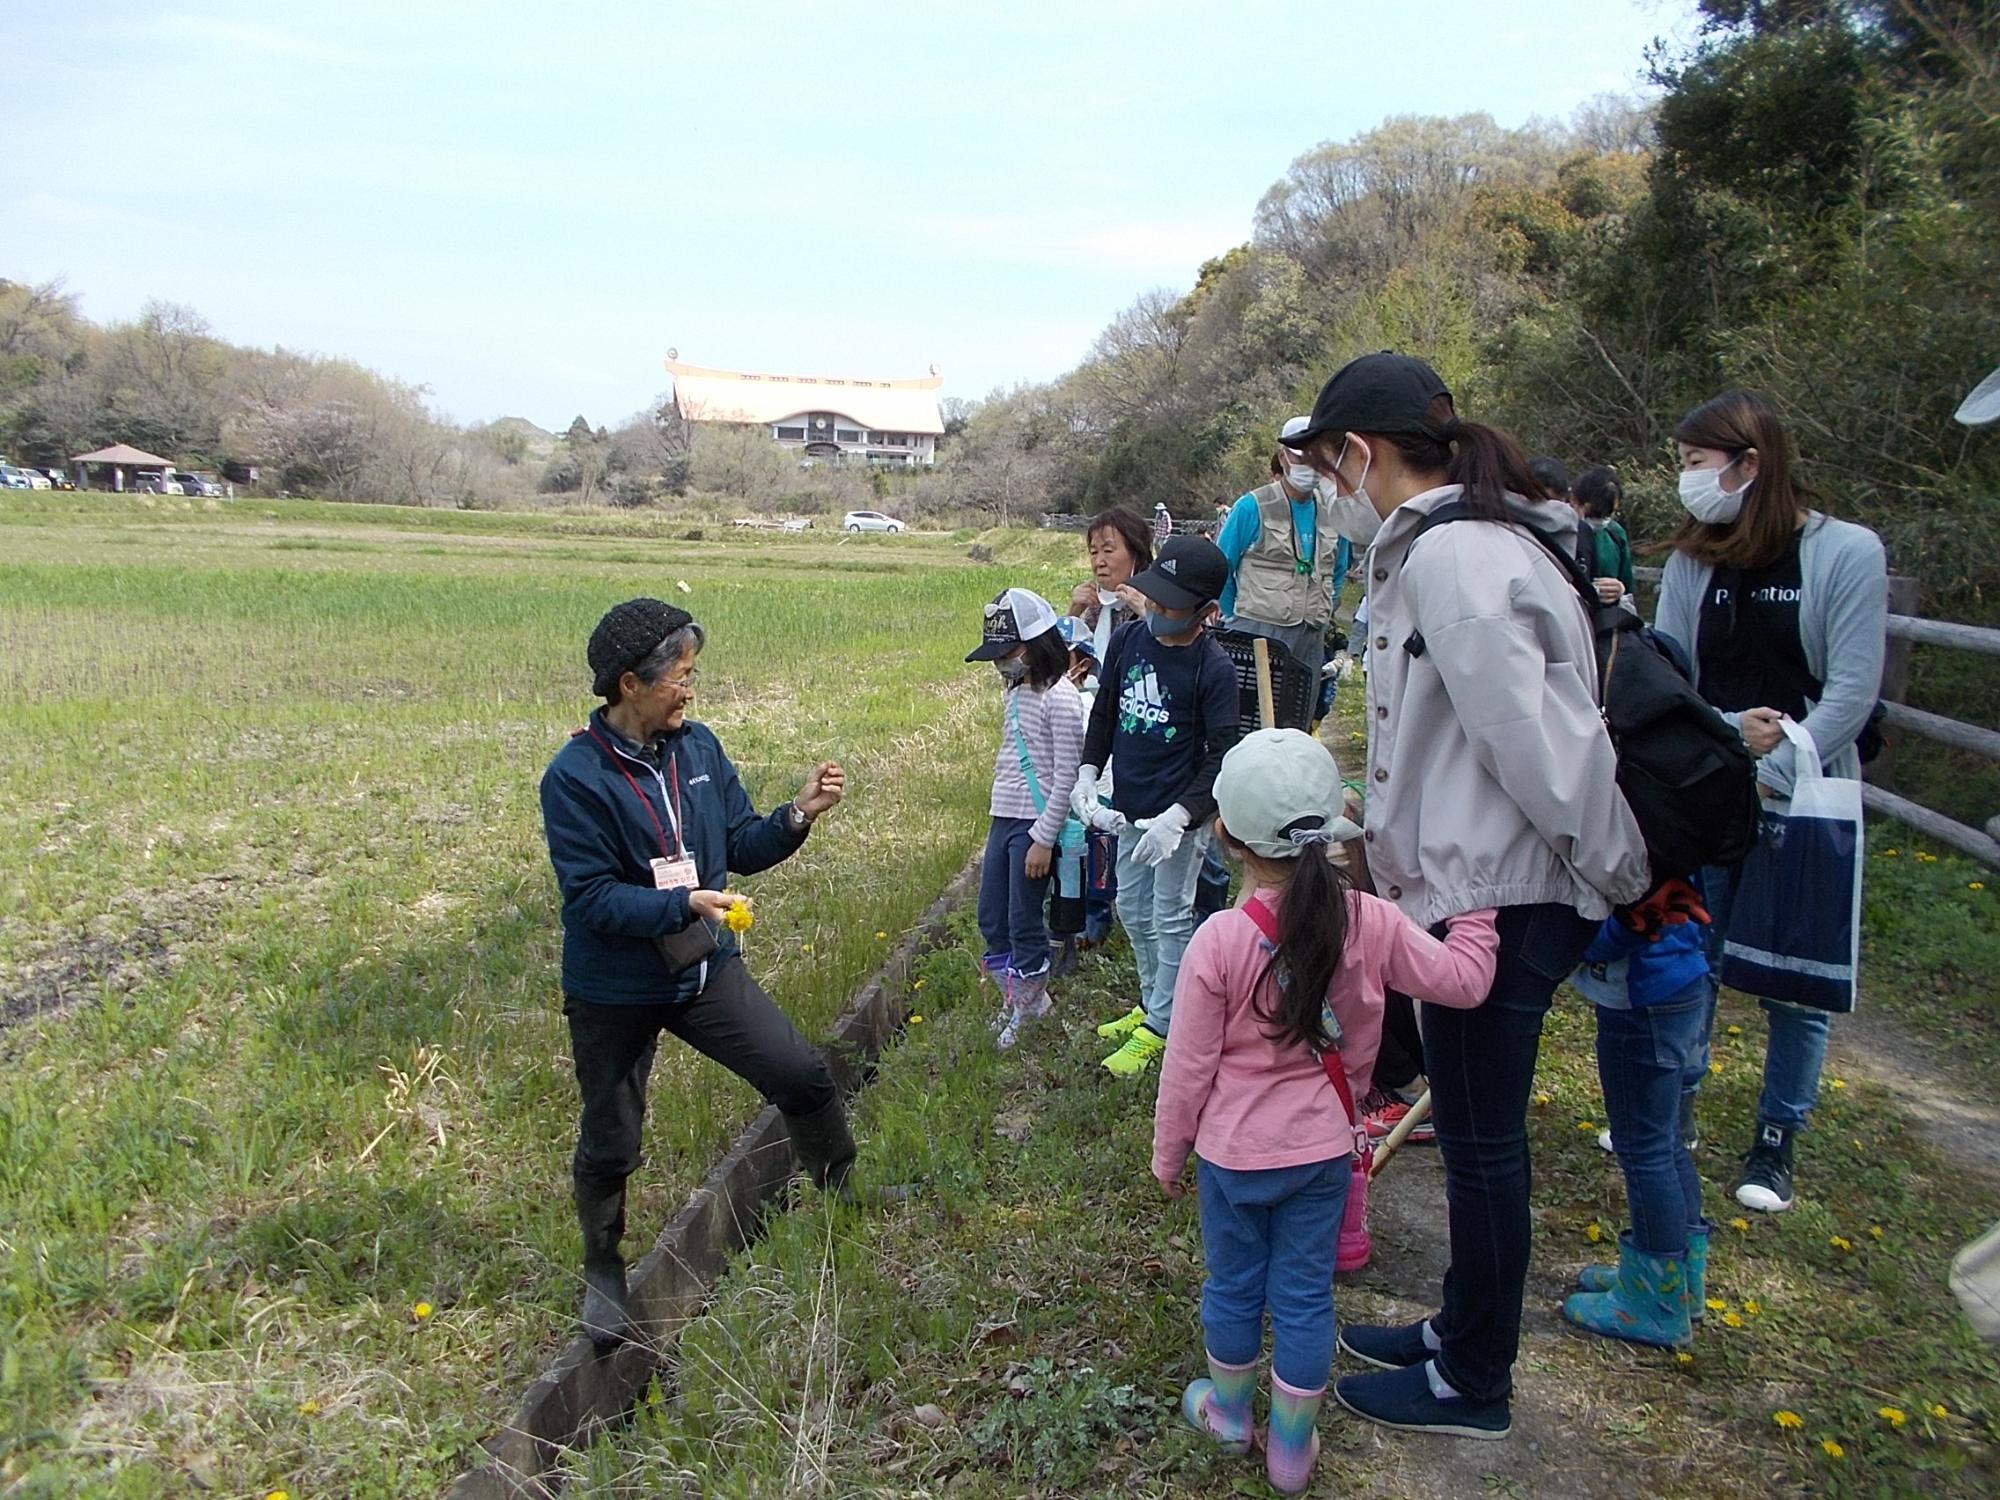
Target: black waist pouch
689,946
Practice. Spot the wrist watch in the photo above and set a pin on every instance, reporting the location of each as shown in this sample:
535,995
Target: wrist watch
799,821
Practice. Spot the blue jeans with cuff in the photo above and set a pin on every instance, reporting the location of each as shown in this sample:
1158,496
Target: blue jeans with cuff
1268,1238
1642,1055
1156,906
1012,907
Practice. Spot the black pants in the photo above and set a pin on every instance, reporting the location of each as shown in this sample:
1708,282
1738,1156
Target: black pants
732,1021
1482,1066
1400,1059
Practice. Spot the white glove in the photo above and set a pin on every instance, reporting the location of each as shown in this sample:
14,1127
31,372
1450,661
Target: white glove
1161,835
1083,796
1105,820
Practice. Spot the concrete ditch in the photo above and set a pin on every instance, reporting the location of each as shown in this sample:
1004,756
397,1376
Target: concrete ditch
585,1389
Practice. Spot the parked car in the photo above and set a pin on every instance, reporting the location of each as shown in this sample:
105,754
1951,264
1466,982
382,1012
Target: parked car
870,520
12,478
200,484
155,482
59,479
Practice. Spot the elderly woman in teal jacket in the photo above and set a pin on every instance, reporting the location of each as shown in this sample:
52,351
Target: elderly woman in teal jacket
1783,611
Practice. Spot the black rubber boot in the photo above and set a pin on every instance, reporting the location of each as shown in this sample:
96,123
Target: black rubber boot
826,1148
600,1210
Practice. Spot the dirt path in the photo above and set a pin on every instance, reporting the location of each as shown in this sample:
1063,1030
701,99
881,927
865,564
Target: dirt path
1959,1113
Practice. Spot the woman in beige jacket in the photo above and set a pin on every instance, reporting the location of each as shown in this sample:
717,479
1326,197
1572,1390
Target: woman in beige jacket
1491,783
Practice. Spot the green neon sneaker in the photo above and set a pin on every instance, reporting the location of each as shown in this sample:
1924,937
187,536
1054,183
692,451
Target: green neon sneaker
1124,1026
1141,1050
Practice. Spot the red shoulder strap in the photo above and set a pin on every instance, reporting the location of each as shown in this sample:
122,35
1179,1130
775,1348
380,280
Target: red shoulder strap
1336,1071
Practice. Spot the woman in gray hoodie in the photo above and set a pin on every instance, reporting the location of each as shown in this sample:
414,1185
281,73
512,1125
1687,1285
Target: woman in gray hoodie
1491,783
1783,612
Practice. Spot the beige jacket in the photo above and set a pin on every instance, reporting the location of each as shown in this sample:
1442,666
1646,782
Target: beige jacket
1490,778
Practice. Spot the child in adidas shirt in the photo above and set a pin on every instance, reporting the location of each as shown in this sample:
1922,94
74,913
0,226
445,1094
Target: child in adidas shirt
1166,713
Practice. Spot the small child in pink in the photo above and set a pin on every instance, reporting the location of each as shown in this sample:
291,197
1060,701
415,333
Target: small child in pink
1244,1090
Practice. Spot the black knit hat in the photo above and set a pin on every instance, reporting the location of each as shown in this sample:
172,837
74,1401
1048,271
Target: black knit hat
626,636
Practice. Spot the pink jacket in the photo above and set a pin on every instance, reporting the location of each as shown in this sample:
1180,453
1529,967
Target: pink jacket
1247,1103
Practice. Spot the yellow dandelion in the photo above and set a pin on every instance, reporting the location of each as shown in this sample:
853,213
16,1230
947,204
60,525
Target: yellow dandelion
1937,1410
916,1020
1790,1421
1542,1101
807,948
1593,1231
1894,1416
1586,1124
1741,1226
918,985
880,935
308,1408
1752,1307
1716,1304
1715,1068
1683,1358
1839,1083
738,918
1831,1449
1875,1231
1841,1242
1736,1031
1975,885
277,1495
1891,853
421,1311
1928,859
1732,1320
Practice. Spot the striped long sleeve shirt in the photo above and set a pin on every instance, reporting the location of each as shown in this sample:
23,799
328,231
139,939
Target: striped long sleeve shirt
1051,721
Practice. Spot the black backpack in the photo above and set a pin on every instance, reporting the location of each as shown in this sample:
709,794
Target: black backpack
1686,775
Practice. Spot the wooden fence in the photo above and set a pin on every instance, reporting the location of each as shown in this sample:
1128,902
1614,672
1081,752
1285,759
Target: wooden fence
1906,631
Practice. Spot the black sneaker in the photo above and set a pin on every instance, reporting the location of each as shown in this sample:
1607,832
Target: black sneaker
1766,1183
1403,1399
1384,1347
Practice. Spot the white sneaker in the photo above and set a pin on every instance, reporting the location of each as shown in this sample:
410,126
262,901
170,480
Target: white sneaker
1604,1139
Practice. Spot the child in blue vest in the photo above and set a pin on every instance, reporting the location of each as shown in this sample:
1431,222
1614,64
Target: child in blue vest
1651,993
1041,740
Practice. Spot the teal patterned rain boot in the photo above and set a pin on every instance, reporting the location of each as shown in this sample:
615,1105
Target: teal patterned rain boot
1220,1405
1648,1304
1697,1272
1291,1446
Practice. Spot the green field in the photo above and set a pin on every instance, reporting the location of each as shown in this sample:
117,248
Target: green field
282,1056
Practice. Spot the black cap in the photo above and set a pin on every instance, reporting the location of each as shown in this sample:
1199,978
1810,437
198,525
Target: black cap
1189,571
1014,616
627,635
1385,393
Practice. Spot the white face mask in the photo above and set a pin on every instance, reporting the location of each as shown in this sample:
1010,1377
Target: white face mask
1302,478
1705,498
1353,515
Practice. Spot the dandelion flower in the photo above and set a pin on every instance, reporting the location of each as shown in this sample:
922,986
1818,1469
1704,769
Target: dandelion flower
1740,1225
277,1495
1733,1320
1593,1231
1891,853
1841,1242
1831,1449
916,1020
1875,1231
1975,885
1542,1101
1683,1358
1736,1031
879,936
1839,1083
1938,1410
1790,1421
1752,1307
738,918
1586,1124
308,1408
1893,1415
918,985
421,1311
1716,1304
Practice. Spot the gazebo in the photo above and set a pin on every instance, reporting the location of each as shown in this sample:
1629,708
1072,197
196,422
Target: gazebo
120,457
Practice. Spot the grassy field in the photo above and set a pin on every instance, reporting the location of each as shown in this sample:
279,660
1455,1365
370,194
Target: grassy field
285,1107
1026,1325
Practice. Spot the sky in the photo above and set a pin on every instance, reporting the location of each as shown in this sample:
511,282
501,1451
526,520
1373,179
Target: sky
522,207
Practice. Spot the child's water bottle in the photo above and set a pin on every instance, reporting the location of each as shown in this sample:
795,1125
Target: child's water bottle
1354,1247
1066,913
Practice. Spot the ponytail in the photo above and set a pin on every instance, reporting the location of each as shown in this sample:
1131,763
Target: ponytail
1485,460
1312,936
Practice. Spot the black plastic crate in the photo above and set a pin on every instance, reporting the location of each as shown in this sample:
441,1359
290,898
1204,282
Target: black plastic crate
1294,689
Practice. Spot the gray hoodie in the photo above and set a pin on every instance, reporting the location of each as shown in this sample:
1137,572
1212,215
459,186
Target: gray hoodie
1491,780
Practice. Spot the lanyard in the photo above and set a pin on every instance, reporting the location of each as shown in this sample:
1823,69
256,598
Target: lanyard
673,802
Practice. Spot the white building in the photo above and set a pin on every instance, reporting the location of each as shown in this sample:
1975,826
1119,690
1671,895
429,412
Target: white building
851,421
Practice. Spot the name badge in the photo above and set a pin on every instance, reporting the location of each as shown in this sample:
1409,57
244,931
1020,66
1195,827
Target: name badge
673,874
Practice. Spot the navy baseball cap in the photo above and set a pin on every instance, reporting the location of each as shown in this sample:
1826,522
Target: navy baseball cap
1386,393
1190,571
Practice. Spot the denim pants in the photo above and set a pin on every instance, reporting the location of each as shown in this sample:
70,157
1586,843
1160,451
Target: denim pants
1795,1049
1156,904
1642,1055
1482,1066
1100,884
1012,923
1268,1239
732,1021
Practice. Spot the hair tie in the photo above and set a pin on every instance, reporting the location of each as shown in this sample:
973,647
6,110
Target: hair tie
1451,430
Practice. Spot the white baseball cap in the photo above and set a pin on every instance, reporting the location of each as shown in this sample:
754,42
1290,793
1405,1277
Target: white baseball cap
1292,428
1014,616
1279,792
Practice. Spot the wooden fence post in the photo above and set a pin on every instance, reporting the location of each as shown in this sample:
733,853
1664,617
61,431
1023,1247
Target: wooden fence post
1895,669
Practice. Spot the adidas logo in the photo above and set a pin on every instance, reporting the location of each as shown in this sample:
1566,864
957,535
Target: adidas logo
1171,566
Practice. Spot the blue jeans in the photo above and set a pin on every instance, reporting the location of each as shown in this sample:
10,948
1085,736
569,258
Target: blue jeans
1011,906
1482,1066
1269,1239
1642,1055
1795,1050
1100,884
1156,904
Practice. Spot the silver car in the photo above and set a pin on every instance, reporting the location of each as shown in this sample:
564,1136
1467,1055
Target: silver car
870,520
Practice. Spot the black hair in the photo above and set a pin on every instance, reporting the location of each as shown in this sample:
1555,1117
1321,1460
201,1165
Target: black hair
1136,534
1550,474
1279,463
1598,492
1486,461
1047,658
1312,937
660,660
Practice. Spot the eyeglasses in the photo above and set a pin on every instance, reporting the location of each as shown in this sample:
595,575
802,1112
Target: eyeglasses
685,684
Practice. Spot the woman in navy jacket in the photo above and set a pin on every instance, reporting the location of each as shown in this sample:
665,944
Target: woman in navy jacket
645,819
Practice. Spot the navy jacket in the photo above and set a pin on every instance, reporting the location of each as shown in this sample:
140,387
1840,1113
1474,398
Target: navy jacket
602,844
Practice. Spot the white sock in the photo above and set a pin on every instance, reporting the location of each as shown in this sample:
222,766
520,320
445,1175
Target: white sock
1431,1341
1440,1387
